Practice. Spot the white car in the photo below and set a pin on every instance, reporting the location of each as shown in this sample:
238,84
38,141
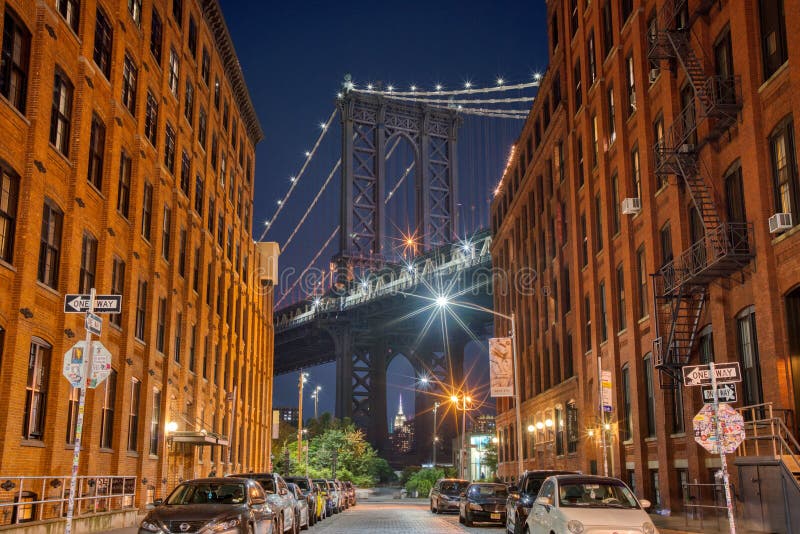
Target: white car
573,504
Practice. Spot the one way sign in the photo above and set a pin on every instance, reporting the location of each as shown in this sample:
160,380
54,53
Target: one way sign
725,393
102,304
700,375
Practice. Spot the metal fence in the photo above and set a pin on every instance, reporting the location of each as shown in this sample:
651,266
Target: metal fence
26,499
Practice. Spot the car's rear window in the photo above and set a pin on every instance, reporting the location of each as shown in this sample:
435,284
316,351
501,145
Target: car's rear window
452,487
488,490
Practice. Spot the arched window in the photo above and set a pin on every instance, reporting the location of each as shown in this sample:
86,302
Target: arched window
747,339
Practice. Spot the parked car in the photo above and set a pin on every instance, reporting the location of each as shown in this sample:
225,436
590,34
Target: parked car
445,493
330,495
278,497
351,492
336,495
484,502
521,497
302,515
322,490
212,505
578,503
344,500
309,493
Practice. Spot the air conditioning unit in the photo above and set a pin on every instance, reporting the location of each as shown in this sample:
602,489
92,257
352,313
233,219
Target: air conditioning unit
686,148
631,206
653,75
780,222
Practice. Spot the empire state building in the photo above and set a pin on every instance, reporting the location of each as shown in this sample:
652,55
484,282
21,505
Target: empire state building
400,418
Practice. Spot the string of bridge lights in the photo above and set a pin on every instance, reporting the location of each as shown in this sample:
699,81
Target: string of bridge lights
308,267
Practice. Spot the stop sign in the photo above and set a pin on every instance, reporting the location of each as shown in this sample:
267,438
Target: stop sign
731,429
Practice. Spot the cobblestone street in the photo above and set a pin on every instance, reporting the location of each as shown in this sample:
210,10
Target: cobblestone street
400,517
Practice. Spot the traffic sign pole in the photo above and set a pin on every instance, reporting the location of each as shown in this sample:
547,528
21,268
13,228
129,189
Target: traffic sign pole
723,460
76,453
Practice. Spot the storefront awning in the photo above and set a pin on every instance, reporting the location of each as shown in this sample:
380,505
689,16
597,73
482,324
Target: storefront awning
198,438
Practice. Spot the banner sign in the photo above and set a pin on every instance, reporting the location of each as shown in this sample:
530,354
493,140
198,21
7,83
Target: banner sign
501,367
605,384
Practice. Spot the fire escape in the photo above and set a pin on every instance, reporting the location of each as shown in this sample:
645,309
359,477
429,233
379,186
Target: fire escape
680,287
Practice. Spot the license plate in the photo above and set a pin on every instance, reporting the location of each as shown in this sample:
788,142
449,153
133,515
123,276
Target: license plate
495,516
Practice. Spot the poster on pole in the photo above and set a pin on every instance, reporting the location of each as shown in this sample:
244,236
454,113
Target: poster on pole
501,367
605,385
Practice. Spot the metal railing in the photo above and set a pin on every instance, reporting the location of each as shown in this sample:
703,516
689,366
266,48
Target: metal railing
695,499
767,434
25,499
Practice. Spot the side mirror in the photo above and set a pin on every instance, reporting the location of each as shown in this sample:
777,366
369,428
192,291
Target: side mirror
283,491
645,503
544,501
158,502
257,501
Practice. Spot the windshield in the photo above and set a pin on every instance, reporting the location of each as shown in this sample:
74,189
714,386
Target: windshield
594,495
533,485
301,483
267,483
453,487
207,493
489,490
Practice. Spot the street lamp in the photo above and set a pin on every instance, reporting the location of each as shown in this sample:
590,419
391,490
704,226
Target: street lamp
443,301
300,383
464,401
435,437
315,396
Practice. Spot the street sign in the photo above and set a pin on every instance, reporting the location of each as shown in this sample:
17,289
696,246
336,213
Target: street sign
700,375
93,323
725,393
102,304
731,425
75,364
605,384
101,364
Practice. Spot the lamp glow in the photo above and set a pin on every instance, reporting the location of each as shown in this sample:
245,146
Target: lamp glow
442,301
531,428
539,425
172,426
548,423
453,398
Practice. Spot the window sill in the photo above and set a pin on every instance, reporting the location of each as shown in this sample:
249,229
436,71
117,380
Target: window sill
53,291
60,154
106,450
643,319
132,454
36,443
773,77
17,112
650,439
152,457
678,435
8,266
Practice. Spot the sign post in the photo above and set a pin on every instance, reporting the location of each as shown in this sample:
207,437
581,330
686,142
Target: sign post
723,461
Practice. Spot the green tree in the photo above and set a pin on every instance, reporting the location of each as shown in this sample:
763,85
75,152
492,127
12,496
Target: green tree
423,480
490,458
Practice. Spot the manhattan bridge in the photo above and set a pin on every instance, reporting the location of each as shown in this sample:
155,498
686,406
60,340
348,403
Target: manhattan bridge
407,225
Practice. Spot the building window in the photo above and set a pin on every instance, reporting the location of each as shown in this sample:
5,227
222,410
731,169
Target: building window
188,102
88,263
221,229
214,155
587,328
14,60
196,270
50,245
584,242
192,343
177,11
612,128
36,390
133,414
621,309
567,290
677,409
174,71
186,172
734,194
579,150
141,309
666,245
784,168
216,92
156,36
72,414
661,147
124,189
723,65
155,423
595,142
178,327
617,219
205,66
608,29
225,116
166,233
650,394
151,119
705,345
198,196
201,127
773,35
598,223
61,115
169,149
129,82
749,357
603,312
70,10
591,59
211,216
576,75
192,37
636,174
182,253
626,425
161,325
630,84
655,488
103,38
107,411
641,272
135,9
9,195
230,243
117,286
97,144
573,434
147,210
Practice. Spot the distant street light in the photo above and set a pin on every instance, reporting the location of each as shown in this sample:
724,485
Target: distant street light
464,402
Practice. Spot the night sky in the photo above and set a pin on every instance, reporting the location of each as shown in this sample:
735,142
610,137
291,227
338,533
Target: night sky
295,55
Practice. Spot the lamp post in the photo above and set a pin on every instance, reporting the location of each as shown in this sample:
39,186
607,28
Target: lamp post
302,380
443,301
465,400
435,437
315,396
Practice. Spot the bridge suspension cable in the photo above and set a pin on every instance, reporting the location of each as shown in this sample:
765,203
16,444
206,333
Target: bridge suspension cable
462,101
309,266
465,91
299,175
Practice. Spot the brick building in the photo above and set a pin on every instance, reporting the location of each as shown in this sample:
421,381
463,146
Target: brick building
659,147
126,162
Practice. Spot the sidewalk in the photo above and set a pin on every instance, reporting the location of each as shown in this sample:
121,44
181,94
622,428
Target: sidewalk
679,525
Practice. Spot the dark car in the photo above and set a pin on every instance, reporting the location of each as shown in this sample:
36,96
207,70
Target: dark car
309,491
351,492
278,497
212,505
483,503
521,497
445,493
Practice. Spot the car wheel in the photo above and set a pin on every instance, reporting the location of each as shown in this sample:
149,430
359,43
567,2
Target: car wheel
250,529
467,519
518,522
460,517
